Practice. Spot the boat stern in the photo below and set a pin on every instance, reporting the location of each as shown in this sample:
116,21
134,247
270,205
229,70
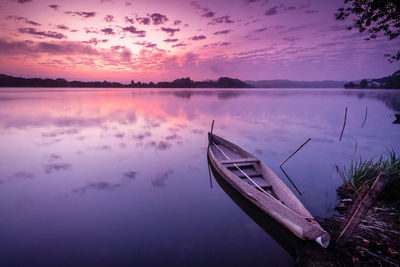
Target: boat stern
323,240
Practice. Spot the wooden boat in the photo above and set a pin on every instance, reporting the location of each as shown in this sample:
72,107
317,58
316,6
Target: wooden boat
259,184
283,237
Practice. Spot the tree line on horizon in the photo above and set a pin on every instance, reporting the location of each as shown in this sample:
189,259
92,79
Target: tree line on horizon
388,82
223,82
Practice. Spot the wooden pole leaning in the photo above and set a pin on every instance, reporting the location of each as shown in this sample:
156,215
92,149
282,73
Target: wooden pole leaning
363,208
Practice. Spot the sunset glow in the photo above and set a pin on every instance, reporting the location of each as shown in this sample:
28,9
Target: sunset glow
163,40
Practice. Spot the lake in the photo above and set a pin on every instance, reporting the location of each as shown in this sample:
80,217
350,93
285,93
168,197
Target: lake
120,177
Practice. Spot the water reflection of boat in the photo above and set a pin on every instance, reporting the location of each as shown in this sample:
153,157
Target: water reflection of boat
397,121
281,235
259,184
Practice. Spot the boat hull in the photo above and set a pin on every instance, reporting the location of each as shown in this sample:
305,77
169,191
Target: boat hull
282,205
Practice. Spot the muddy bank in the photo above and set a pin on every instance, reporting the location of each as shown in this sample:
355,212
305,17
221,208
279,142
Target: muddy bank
376,241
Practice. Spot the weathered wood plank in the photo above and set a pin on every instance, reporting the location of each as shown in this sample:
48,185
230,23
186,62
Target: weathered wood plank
242,160
258,180
363,208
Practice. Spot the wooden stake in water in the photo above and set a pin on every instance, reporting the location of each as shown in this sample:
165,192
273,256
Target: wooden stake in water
365,118
283,162
344,124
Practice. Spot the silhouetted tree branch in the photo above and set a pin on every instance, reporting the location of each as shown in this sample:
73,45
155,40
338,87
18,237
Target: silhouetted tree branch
373,17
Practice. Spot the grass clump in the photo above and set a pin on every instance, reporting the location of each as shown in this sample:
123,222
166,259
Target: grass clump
363,173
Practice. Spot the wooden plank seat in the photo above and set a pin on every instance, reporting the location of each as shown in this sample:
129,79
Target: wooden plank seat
241,165
241,160
260,181
249,170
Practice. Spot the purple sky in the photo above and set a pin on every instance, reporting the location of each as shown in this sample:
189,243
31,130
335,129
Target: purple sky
155,40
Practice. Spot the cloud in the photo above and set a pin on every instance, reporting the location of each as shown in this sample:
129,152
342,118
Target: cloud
119,135
261,29
108,31
53,157
308,11
23,175
55,167
49,34
206,12
173,137
62,27
81,14
59,132
67,48
126,55
54,7
222,32
179,45
24,1
198,131
146,44
13,47
219,20
271,11
106,186
27,21
141,136
177,22
95,41
130,174
255,1
297,28
159,180
132,29
170,31
160,145
291,38
339,28
144,21
213,45
127,177
129,20
198,37
279,9
109,18
158,18
171,40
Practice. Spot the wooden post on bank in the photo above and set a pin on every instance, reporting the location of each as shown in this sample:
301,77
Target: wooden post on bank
363,208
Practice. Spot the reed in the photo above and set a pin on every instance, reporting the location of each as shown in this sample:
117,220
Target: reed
361,173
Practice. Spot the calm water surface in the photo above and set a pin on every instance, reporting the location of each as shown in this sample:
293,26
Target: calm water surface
120,177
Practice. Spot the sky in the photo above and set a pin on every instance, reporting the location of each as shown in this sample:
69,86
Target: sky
162,40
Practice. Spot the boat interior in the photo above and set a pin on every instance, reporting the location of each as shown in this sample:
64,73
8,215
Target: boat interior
245,167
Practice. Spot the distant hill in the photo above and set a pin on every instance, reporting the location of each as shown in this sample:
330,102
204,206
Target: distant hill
296,84
223,82
388,82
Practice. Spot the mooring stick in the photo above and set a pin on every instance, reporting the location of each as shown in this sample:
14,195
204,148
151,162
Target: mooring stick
363,208
344,124
365,118
290,180
212,126
283,162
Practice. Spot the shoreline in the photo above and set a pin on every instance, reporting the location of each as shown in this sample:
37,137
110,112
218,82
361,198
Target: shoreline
375,242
